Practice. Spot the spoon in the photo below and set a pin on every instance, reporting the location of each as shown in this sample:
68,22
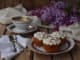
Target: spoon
13,42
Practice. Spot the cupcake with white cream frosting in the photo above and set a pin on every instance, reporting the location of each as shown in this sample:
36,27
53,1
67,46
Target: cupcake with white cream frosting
60,35
38,37
51,44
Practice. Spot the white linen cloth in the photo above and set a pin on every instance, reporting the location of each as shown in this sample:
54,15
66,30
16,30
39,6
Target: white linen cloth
6,47
7,13
74,28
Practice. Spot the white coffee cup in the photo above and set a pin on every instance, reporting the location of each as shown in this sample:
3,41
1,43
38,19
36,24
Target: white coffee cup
21,21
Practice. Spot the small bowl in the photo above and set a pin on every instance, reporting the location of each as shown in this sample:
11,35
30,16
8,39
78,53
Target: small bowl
21,21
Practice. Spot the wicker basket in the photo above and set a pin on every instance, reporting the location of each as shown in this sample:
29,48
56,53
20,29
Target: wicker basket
29,4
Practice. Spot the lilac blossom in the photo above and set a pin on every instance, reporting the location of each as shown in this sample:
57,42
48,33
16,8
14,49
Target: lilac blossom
54,14
59,5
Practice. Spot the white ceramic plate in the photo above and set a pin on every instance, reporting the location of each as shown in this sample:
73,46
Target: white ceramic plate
65,48
12,28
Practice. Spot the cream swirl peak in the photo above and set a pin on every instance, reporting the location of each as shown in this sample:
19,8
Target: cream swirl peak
57,34
51,41
40,35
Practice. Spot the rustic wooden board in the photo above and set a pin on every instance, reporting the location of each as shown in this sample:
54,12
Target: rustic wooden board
40,3
25,55
2,29
65,56
76,52
41,57
21,56
29,55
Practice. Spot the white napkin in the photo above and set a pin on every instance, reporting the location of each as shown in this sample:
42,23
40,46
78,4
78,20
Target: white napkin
21,9
76,31
74,28
67,31
7,13
6,47
23,41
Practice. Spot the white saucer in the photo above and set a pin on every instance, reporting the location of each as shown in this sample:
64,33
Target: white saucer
47,26
65,48
14,29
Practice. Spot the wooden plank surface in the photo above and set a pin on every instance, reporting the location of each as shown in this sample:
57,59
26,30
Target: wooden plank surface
41,57
25,55
65,56
21,56
29,55
76,52
2,29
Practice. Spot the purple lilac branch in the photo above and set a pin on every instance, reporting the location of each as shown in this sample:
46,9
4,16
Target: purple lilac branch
54,13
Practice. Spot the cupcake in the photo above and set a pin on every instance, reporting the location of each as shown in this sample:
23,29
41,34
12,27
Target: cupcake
60,35
51,44
38,37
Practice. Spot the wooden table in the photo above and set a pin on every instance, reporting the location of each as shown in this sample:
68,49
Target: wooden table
29,55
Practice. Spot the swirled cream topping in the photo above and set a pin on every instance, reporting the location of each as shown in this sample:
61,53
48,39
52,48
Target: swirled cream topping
40,35
57,34
51,41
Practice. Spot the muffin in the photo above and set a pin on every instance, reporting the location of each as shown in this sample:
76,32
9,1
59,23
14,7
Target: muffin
38,37
60,35
51,44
